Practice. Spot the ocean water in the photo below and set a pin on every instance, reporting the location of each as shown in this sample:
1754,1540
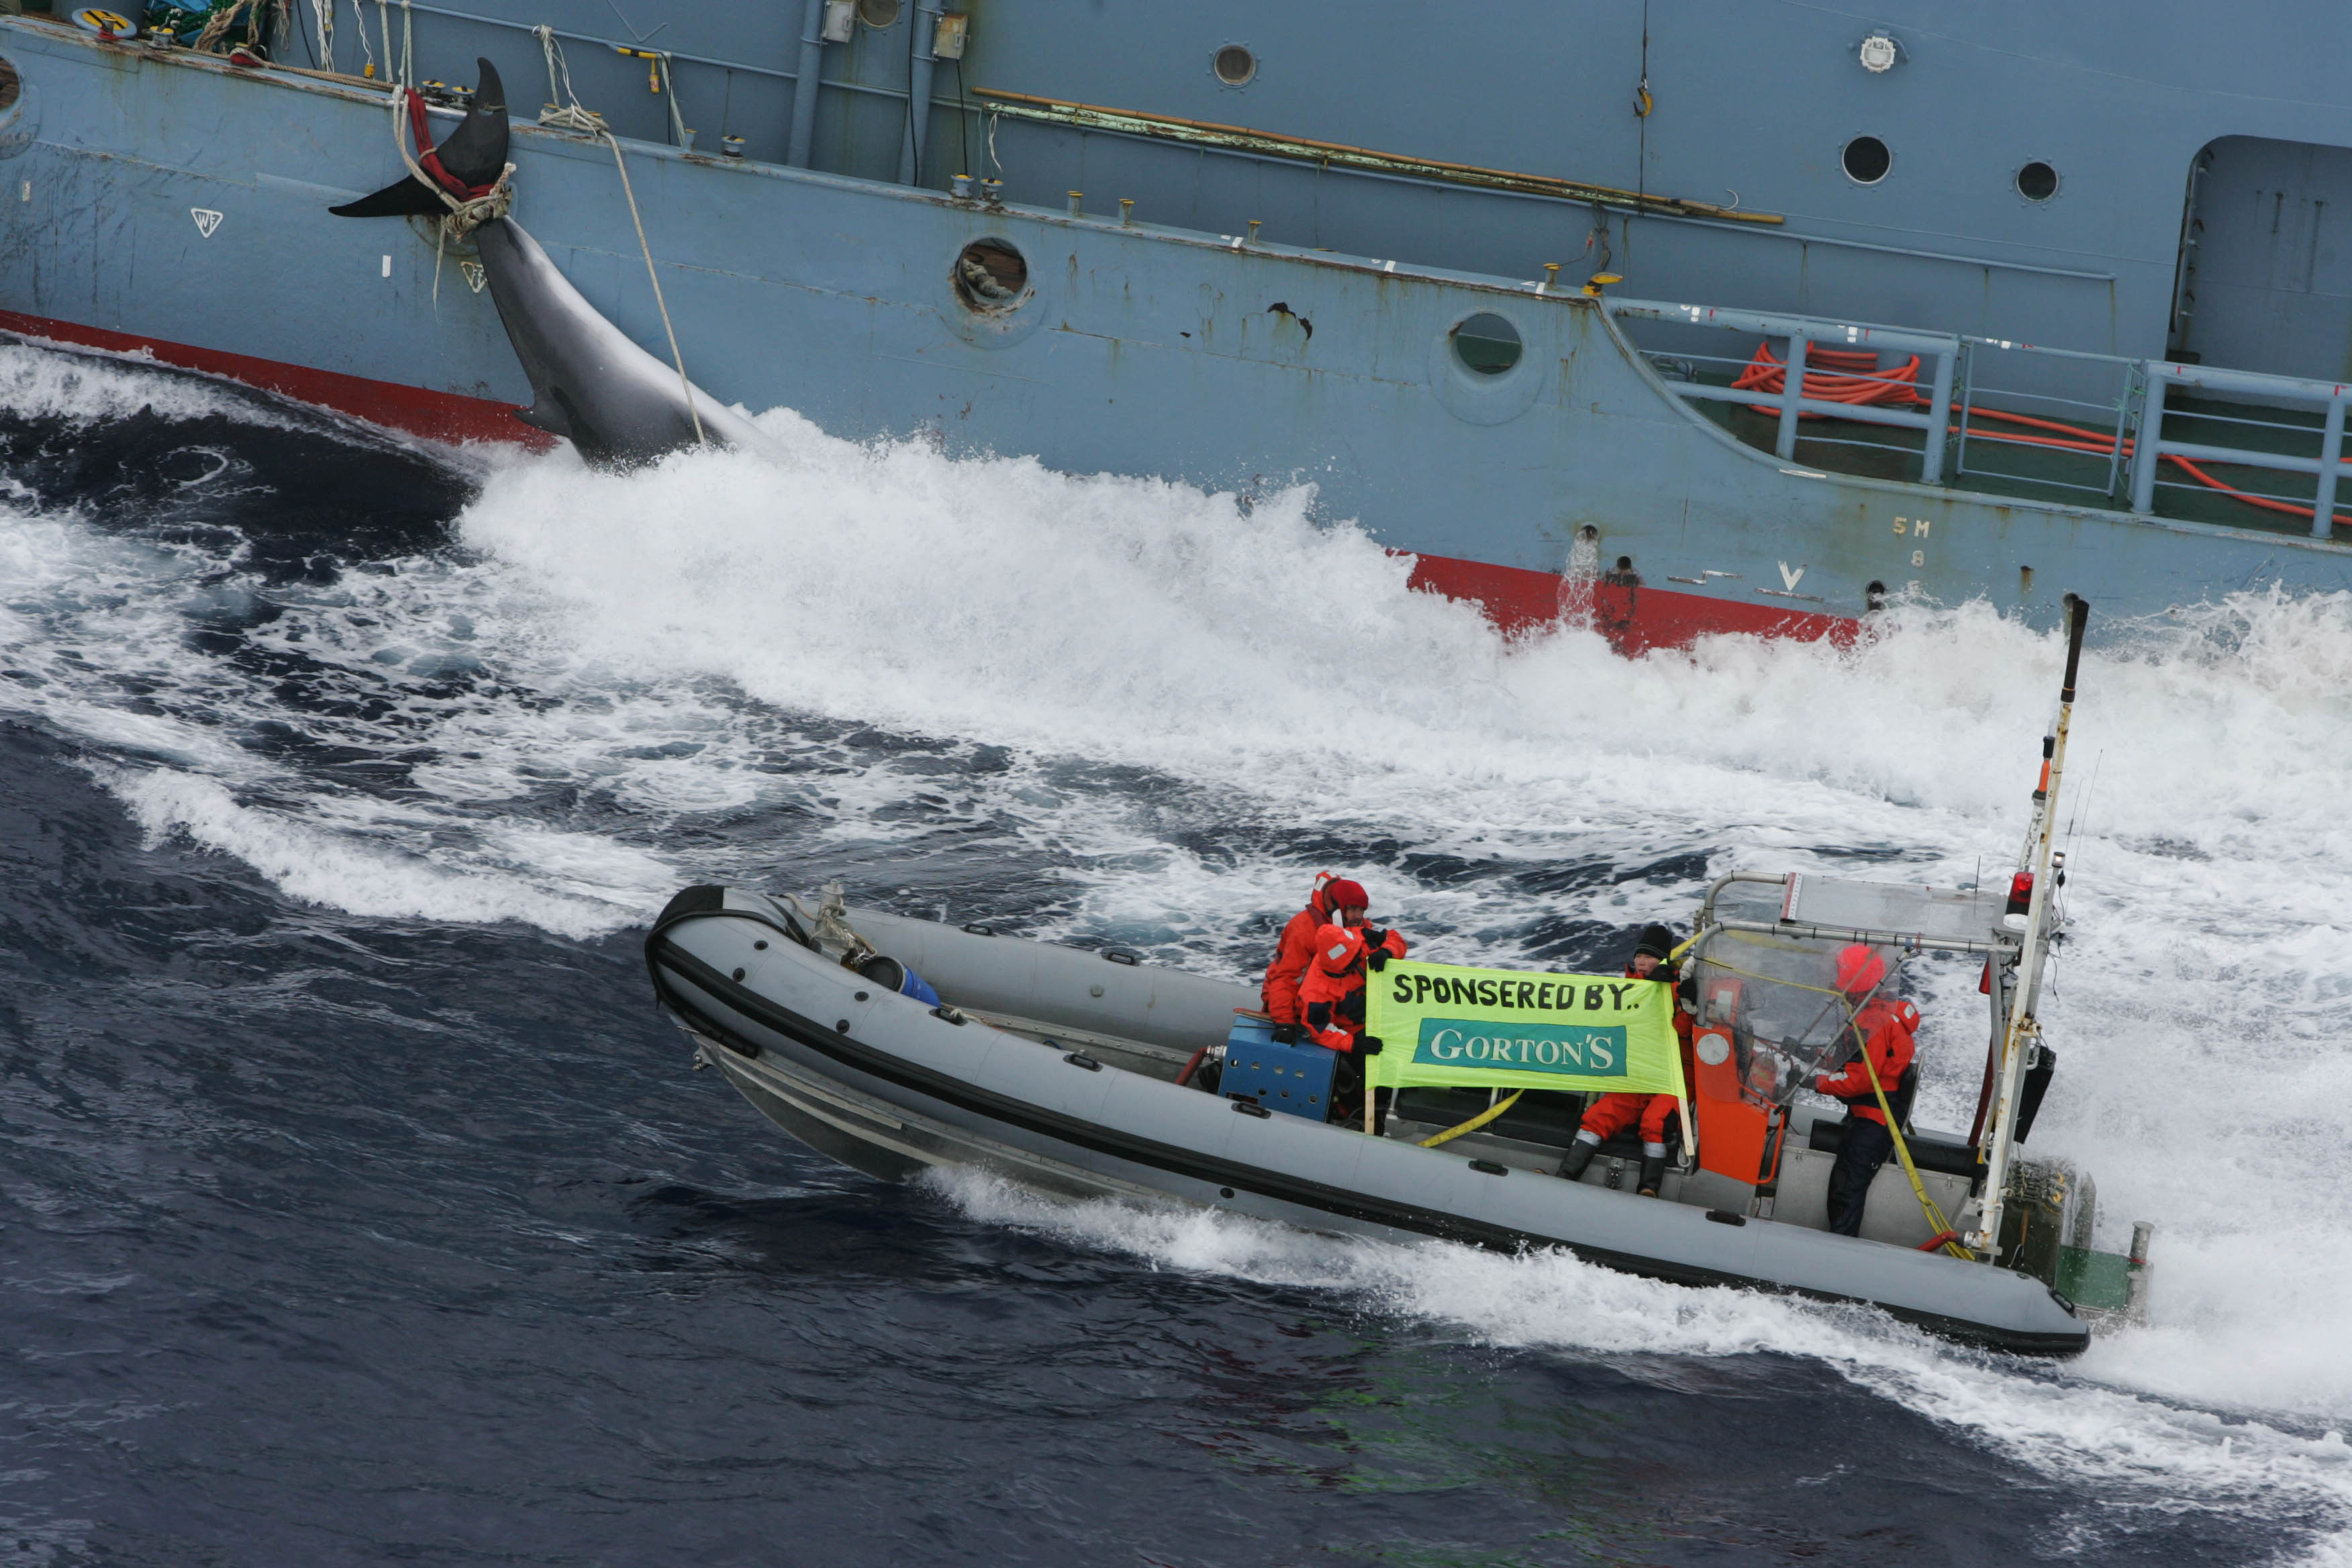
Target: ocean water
359,1207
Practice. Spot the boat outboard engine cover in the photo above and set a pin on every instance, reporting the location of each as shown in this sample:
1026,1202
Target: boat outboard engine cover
893,975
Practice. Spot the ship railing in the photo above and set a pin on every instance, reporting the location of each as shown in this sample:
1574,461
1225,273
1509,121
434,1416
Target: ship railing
2021,418
1869,396
2253,393
2037,418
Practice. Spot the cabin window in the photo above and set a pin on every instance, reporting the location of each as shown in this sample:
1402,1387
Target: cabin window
1235,65
9,87
879,14
990,277
1486,345
1866,160
2037,182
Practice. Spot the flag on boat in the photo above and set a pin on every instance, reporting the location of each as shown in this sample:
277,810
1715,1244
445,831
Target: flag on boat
1440,1025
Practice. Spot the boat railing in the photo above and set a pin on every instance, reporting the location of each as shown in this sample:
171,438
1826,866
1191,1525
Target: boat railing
2014,417
2042,420
2250,393
1820,372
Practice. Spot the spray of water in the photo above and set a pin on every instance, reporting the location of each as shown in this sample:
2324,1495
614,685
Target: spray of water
1175,710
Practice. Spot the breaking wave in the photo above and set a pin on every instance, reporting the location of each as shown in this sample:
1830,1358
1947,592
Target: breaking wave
1131,709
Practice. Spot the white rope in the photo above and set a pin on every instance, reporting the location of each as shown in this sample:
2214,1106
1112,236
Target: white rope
367,45
676,115
407,45
684,386
564,113
324,10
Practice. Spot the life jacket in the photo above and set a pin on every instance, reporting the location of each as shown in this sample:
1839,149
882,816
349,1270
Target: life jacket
1882,1028
1332,997
1672,975
1280,994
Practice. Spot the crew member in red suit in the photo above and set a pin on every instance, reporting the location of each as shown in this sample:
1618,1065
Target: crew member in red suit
1336,900
1331,1002
1612,1113
1881,1028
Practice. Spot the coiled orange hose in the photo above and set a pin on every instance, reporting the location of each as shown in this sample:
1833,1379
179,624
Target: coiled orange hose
1853,377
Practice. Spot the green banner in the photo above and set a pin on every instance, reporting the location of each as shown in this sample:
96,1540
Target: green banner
1490,1028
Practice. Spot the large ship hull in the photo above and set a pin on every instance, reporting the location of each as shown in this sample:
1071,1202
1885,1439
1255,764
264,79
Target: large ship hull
1576,482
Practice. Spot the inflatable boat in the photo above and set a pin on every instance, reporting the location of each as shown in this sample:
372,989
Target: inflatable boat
894,1044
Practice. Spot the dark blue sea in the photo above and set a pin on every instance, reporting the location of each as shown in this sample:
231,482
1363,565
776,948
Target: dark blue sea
359,1208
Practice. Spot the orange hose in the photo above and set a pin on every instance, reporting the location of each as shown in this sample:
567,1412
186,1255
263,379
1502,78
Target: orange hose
1852,377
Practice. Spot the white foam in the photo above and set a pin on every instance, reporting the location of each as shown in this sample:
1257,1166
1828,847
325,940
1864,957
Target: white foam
2130,1450
342,871
618,658
41,383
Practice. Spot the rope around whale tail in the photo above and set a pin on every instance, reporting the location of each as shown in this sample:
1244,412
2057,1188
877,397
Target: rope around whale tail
480,204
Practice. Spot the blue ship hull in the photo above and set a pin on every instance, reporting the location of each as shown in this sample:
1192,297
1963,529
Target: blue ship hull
1577,479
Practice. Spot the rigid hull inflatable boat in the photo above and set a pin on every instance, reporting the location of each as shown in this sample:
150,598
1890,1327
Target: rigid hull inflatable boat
1058,1067
894,1044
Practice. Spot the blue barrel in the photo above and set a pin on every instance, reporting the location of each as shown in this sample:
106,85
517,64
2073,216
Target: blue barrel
893,975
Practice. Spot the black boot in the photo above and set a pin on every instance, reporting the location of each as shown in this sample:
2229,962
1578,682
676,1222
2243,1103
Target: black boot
1580,1154
1654,1171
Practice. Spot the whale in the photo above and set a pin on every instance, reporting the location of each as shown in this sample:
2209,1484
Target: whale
591,383
473,155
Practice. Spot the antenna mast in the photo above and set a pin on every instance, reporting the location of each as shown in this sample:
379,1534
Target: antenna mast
2023,1035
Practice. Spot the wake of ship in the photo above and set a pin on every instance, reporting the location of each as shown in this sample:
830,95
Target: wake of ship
344,772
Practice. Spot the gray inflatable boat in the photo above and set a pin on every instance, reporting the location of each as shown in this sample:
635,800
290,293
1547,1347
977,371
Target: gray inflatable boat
1060,1068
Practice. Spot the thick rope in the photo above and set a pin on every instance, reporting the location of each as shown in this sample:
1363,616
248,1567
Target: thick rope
1936,1223
563,113
684,386
466,214
1472,1125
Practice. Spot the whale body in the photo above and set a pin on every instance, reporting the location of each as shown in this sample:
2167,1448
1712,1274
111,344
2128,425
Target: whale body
590,382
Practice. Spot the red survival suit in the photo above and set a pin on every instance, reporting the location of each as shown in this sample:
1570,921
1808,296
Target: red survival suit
1331,997
1885,1025
1279,994
1612,1113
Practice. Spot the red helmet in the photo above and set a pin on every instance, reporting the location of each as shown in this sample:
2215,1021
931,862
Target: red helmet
1342,894
1859,969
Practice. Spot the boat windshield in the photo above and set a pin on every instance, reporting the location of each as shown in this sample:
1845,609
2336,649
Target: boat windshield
1764,973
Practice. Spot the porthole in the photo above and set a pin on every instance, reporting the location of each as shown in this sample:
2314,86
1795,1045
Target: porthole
989,276
879,14
1235,65
1487,344
1866,160
2037,182
11,88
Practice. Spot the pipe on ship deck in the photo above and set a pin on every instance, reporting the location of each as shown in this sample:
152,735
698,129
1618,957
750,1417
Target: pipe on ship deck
804,85
918,90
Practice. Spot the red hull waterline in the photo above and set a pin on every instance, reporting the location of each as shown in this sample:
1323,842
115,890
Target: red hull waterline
1633,618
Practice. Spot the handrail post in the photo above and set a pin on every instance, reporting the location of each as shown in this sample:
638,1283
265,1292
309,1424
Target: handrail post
2144,448
1939,415
1792,392
2331,458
